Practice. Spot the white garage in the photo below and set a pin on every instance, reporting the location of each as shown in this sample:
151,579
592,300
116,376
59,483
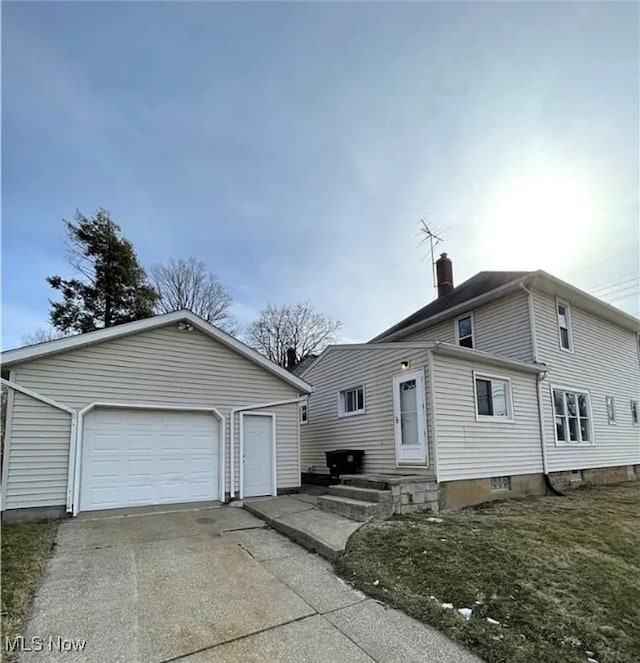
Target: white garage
138,457
166,410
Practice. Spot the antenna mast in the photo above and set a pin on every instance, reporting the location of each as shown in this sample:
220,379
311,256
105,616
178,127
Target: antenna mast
434,240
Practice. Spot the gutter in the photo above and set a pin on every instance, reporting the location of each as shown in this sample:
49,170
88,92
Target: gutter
232,414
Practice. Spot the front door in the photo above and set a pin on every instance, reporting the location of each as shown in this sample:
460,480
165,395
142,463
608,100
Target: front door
257,455
410,418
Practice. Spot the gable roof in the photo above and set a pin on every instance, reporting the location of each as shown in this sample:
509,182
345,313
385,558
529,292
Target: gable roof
480,284
487,286
30,352
303,364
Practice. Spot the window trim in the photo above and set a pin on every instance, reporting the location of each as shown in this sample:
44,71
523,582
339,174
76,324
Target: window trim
456,331
574,390
611,420
569,315
303,407
510,418
355,413
631,403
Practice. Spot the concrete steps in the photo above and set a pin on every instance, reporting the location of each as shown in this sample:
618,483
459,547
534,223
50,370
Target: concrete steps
355,509
364,494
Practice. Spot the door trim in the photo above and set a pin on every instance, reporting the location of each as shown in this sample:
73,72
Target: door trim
418,376
76,453
274,488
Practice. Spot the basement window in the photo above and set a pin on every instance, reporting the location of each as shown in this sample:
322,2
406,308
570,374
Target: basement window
576,476
464,331
500,483
351,401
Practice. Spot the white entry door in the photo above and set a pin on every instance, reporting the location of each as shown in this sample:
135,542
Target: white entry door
258,455
410,417
135,457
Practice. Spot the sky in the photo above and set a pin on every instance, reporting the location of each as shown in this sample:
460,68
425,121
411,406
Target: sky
295,148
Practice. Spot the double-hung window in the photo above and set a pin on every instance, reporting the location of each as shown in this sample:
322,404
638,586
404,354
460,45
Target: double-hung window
493,398
351,401
464,330
611,410
564,325
304,413
572,412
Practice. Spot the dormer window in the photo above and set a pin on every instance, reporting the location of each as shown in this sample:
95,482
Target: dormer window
464,330
564,325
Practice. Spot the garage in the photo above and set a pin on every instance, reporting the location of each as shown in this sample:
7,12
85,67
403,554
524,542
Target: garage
138,457
161,411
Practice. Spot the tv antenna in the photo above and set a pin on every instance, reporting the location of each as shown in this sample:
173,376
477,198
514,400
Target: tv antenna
433,239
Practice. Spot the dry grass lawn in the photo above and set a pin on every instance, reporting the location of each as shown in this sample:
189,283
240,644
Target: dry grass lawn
26,547
561,575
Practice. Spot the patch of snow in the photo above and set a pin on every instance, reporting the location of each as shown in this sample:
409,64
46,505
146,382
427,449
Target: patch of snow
442,539
497,638
465,612
589,653
446,606
433,598
431,519
376,582
591,660
495,622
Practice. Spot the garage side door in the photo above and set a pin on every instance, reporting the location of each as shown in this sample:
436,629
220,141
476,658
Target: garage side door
144,457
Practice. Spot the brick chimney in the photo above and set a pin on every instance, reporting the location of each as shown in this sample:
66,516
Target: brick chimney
291,358
444,275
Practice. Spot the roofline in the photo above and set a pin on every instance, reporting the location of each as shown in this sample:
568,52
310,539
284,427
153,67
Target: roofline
487,357
30,352
607,311
453,310
407,345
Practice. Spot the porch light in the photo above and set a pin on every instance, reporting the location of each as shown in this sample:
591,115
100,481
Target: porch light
405,364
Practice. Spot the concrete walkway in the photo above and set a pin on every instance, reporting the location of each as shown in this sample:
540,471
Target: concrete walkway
297,517
211,585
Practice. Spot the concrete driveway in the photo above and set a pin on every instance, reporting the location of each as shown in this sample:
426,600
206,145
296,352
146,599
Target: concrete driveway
210,585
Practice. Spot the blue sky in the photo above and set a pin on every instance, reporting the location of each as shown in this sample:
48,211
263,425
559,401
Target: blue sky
295,147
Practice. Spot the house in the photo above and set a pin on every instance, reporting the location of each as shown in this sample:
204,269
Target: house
158,411
504,385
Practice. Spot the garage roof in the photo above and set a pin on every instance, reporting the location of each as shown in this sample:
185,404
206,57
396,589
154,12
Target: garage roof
10,358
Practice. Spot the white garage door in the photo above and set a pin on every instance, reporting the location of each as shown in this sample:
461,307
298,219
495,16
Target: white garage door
140,457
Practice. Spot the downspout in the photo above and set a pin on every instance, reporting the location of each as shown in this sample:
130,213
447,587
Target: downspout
539,378
232,416
432,398
72,435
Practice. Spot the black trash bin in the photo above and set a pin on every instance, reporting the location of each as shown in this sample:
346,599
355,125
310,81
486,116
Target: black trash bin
344,461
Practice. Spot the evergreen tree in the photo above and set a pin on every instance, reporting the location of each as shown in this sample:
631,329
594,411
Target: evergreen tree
114,288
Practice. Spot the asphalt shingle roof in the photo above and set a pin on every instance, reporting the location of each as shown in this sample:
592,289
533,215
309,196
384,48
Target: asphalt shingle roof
477,285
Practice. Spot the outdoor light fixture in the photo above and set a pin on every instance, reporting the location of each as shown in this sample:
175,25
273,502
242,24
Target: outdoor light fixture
405,364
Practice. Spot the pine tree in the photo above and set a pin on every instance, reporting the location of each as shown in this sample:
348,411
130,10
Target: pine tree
114,288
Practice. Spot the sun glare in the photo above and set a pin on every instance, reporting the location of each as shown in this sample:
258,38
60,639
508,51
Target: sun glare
540,222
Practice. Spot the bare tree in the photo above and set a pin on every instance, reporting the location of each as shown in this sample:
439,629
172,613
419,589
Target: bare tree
299,327
43,335
187,283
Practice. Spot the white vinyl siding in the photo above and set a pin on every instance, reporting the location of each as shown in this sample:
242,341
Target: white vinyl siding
373,431
471,449
160,366
604,363
500,327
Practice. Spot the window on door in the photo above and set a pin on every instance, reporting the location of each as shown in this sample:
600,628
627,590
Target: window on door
464,330
493,398
351,401
572,411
